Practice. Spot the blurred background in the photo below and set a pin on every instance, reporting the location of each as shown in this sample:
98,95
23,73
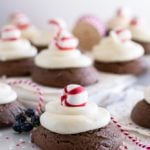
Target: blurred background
41,10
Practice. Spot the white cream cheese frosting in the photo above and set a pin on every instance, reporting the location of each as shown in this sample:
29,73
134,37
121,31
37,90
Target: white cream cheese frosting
7,95
140,30
63,119
62,53
117,47
12,47
121,19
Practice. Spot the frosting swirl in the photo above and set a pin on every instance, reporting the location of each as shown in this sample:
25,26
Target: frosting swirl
64,119
45,37
7,95
12,47
118,47
121,19
62,53
140,30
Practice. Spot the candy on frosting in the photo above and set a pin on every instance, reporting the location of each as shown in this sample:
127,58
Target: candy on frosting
10,33
147,94
118,47
140,30
7,95
20,20
12,47
74,96
62,53
121,19
65,119
45,37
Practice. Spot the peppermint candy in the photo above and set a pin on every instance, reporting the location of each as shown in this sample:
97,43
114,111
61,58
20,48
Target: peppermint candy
65,41
58,23
10,33
74,96
123,35
21,20
136,21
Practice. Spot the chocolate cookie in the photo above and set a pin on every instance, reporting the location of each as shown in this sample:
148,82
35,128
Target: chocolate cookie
146,46
62,77
135,67
8,113
20,67
141,114
107,138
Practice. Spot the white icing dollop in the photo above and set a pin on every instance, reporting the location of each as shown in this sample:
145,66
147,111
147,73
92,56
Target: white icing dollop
147,94
117,48
45,37
121,19
62,53
72,120
140,30
18,49
7,95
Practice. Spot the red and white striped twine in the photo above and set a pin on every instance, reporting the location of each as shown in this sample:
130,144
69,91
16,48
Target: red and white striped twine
34,86
133,139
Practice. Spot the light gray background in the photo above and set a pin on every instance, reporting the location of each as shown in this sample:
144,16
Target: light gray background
41,10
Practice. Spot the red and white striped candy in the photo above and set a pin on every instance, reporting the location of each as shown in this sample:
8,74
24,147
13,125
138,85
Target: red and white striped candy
57,22
66,41
136,21
74,96
21,20
10,33
123,34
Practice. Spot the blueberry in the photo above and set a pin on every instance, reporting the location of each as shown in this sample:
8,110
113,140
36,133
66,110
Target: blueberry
30,112
17,127
21,117
26,127
35,120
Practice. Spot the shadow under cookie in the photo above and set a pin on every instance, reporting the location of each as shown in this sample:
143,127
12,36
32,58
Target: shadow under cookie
100,139
62,77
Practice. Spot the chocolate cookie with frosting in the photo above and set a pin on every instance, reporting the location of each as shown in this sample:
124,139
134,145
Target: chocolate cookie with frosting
118,54
74,123
140,33
9,106
63,64
16,54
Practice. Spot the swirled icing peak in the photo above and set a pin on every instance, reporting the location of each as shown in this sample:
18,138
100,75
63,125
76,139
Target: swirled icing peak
118,47
140,30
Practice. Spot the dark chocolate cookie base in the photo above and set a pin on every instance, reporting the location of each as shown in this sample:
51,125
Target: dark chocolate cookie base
21,67
62,77
134,67
146,46
141,114
107,138
8,113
